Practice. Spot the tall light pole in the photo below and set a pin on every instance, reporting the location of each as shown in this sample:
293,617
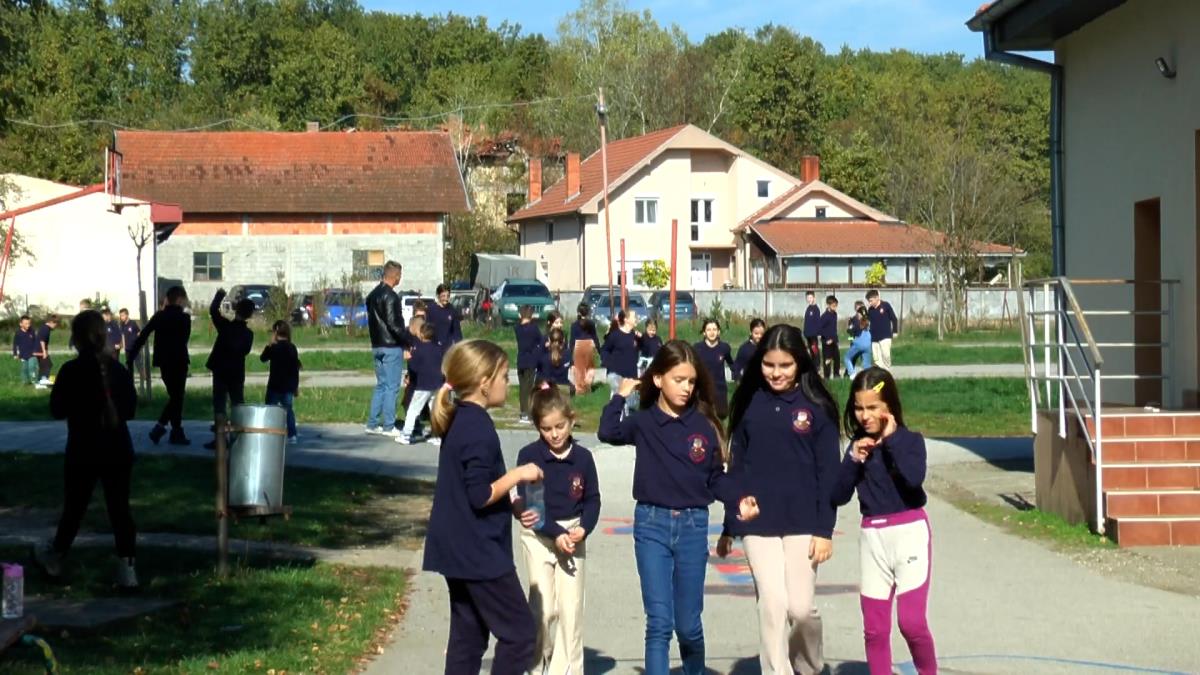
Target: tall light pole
602,114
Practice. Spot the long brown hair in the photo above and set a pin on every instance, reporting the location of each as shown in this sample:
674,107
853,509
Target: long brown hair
675,353
882,382
557,345
90,337
465,366
547,398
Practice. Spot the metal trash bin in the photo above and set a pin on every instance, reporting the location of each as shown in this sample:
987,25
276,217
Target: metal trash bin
256,456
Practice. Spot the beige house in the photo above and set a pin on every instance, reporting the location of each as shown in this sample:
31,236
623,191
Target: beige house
681,173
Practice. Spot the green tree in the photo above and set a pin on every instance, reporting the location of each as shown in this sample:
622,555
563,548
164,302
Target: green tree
654,274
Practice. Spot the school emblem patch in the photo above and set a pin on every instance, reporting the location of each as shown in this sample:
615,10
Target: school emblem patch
576,488
696,450
802,420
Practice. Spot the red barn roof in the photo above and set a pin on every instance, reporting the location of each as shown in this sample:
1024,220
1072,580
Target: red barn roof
854,238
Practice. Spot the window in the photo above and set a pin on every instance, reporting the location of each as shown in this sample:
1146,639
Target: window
368,265
206,267
820,211
764,188
702,214
549,230
645,211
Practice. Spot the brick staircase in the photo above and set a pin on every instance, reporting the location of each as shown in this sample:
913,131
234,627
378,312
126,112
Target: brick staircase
1151,477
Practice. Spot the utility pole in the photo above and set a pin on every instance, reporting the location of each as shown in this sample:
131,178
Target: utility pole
602,114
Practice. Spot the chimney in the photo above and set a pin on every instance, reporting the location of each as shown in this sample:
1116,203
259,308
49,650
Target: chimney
313,127
535,181
810,168
572,174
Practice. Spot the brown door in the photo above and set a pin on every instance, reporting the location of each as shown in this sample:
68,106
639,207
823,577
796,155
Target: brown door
1147,297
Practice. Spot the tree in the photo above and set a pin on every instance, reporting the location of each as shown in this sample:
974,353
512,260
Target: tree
654,274
467,234
141,233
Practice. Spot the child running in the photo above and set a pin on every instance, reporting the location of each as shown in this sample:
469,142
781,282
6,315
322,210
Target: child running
425,369
283,383
757,328
529,341
859,328
648,346
784,442
469,540
679,468
831,357
556,552
619,355
885,463
553,363
715,354
171,328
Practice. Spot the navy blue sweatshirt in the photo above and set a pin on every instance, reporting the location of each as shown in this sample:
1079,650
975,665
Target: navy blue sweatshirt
827,329
425,366
43,337
25,344
581,332
546,370
468,539
114,335
785,453
812,316
745,353
572,486
234,341
171,328
529,340
130,330
714,358
676,465
620,353
883,322
447,328
649,346
889,481
78,397
285,367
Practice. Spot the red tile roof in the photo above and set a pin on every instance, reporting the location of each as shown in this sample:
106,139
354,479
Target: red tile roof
622,156
293,172
854,237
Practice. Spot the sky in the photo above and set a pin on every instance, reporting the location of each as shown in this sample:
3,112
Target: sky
929,26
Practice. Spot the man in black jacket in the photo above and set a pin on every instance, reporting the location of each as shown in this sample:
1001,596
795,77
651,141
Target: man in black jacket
172,328
227,361
389,339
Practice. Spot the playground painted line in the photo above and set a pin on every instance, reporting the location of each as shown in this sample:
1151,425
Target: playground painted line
907,668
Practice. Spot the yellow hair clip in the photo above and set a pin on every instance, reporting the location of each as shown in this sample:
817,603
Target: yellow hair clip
878,388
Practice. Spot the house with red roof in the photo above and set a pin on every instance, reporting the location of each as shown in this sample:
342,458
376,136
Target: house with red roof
310,208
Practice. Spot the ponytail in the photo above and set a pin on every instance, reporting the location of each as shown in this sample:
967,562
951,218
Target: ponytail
441,414
89,334
465,367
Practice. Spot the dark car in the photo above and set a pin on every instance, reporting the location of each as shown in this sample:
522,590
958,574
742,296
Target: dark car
302,309
592,294
602,314
259,294
660,306
341,307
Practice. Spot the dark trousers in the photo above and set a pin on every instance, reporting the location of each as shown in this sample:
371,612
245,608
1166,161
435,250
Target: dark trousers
222,388
174,379
79,480
814,347
44,366
525,377
833,359
498,607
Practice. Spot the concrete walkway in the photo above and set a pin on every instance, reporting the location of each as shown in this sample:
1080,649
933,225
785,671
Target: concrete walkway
1000,604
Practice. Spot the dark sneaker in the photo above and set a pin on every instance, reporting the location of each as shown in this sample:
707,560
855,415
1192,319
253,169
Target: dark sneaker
126,575
157,433
48,559
177,438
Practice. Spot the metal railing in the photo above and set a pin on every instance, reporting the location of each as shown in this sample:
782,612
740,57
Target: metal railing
1071,371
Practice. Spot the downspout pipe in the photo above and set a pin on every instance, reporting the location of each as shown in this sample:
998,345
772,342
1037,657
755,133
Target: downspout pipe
1057,221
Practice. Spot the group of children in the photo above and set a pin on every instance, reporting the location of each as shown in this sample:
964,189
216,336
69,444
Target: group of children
776,467
871,330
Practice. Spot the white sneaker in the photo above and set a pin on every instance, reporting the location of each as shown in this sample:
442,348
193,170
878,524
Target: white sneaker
44,381
48,559
39,385
374,431
434,441
126,574
391,433
404,439
292,440
524,419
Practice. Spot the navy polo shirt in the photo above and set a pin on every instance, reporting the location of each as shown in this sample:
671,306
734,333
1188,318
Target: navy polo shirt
827,329
466,539
812,317
425,365
676,463
529,340
447,329
785,453
114,334
891,478
745,353
130,330
285,367
25,344
581,332
883,322
649,346
572,487
43,336
620,353
547,370
714,358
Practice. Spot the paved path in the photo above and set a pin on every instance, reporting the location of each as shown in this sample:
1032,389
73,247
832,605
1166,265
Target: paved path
1000,604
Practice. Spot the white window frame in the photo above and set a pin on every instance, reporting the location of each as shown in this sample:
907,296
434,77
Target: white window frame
643,199
698,224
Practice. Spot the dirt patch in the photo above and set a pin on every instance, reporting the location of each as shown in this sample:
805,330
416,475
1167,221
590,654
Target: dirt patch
1006,489
403,517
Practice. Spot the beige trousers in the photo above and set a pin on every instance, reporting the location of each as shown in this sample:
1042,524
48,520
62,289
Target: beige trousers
881,354
789,625
556,598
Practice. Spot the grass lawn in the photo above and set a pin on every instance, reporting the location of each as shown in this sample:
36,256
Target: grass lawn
175,494
266,617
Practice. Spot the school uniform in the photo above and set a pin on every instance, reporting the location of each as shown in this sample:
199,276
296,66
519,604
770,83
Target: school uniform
529,344
785,453
283,382
895,546
470,543
677,473
227,361
715,358
648,348
884,326
582,346
812,320
114,336
744,354
549,371
556,580
860,345
25,349
425,373
129,333
45,365
171,328
447,328
831,357
619,355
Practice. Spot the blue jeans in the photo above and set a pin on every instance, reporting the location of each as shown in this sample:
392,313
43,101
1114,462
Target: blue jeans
860,346
389,364
671,548
29,371
285,399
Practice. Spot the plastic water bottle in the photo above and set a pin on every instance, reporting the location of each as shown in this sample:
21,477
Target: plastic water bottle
14,592
535,500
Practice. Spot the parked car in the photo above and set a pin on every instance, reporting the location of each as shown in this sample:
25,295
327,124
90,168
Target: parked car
602,314
343,306
464,304
302,308
259,294
408,300
512,294
660,306
592,294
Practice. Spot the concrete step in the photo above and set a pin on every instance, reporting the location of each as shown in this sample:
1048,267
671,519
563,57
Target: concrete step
1154,531
1151,476
1152,449
1134,503
1130,423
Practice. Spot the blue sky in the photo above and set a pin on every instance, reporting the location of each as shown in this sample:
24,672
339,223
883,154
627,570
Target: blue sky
916,25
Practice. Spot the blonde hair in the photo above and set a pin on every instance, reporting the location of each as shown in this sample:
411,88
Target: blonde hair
465,366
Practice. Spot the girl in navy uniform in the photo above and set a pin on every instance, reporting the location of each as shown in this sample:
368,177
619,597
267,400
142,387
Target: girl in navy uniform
529,345
679,469
553,362
619,355
757,328
784,447
555,554
469,540
582,346
885,464
715,355
648,346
